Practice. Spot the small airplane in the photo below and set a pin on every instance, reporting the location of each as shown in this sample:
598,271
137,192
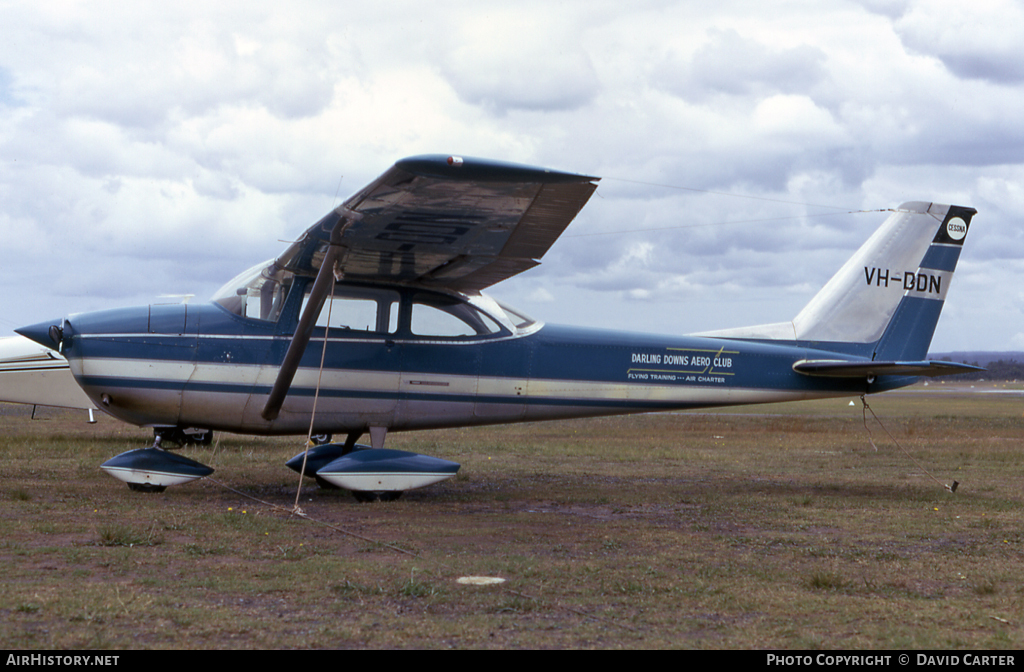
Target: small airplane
375,322
33,374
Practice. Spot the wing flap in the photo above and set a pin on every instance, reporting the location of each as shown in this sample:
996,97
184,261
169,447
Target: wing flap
829,368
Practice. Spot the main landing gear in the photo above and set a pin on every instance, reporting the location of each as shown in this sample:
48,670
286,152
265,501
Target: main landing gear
371,473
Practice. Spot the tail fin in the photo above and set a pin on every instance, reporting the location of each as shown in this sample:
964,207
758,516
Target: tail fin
885,301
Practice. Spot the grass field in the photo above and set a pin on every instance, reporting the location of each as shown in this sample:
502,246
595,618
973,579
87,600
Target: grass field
759,527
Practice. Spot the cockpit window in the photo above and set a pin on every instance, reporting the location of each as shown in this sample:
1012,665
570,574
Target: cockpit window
519,319
440,315
359,309
257,293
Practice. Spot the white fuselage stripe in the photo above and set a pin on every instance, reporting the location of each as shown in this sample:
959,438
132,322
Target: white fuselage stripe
435,385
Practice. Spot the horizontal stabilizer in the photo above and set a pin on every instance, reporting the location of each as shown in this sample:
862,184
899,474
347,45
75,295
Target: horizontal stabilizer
835,368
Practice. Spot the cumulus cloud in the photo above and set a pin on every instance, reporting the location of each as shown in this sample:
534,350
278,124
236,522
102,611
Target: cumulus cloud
731,64
171,146
981,40
504,59
7,96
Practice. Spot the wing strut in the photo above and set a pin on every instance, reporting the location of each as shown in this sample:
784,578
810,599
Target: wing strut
322,286
303,332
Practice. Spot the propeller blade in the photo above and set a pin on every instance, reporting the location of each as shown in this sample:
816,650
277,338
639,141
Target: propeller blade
303,332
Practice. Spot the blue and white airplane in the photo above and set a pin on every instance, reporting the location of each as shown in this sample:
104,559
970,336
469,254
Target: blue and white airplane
376,320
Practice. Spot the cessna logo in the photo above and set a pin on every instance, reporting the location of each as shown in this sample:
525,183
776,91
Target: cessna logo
956,228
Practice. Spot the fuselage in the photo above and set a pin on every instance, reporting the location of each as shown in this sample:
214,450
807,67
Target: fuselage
212,365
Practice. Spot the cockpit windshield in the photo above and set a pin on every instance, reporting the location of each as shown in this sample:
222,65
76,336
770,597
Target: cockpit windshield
258,292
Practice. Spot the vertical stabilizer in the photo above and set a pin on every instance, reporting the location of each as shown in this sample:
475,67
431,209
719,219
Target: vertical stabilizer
891,291
884,303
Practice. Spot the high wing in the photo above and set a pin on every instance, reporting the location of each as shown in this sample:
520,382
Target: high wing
442,221
460,223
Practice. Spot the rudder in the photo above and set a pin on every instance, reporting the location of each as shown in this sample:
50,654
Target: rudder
909,332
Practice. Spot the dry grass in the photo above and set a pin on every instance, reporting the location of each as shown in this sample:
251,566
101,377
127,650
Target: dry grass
771,527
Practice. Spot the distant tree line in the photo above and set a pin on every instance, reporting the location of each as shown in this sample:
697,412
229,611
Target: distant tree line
1000,369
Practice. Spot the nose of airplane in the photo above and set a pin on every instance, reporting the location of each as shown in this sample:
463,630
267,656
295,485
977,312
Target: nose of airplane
49,333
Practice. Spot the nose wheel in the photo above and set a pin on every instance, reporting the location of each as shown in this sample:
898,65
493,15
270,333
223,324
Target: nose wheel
153,469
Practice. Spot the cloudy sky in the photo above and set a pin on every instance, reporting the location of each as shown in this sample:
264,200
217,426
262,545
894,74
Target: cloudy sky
161,148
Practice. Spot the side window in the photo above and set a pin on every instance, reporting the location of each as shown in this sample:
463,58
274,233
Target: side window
348,313
447,317
429,320
357,309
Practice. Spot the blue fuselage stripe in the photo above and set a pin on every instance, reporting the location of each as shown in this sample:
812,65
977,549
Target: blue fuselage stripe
552,367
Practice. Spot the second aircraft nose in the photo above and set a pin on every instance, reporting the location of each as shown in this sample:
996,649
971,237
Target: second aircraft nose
49,334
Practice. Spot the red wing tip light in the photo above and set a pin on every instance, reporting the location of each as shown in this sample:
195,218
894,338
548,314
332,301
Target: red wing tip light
455,161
